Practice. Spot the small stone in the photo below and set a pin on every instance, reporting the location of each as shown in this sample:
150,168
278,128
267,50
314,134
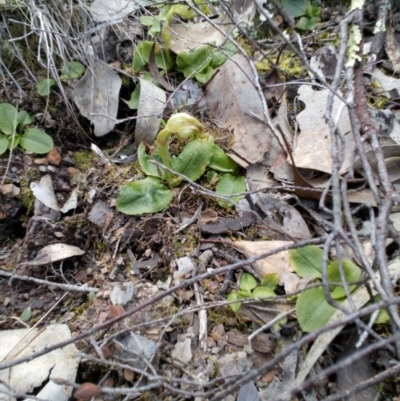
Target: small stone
27,160
51,169
42,160
211,342
182,351
72,170
218,332
54,157
58,234
43,169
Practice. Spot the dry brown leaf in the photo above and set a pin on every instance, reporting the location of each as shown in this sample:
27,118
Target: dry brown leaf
278,263
86,391
232,97
185,37
315,133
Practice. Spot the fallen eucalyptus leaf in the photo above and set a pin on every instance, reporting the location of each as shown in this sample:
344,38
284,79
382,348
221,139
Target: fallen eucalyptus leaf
151,106
98,93
44,192
54,253
251,137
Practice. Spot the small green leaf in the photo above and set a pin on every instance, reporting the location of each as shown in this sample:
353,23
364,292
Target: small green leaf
212,177
144,196
3,143
141,56
263,292
195,61
220,161
194,158
244,294
383,315
228,185
92,296
270,280
205,75
12,144
152,22
26,315
44,86
306,23
307,261
313,310
233,296
146,165
247,282
37,141
73,70
296,8
8,118
23,118
133,103
351,272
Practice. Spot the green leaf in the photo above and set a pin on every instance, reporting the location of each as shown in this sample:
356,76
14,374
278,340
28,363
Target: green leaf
307,261
37,141
205,75
23,118
270,280
141,56
194,158
296,8
26,315
3,143
152,22
183,11
351,272
73,70
233,296
8,118
244,294
13,144
133,103
144,196
228,185
220,161
146,165
306,23
44,86
194,61
263,292
247,282
313,310
383,315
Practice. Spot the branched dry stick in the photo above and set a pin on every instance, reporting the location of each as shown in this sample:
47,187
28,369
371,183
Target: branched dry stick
67,287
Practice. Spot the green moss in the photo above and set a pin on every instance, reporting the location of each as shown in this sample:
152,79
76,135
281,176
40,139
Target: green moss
291,65
26,195
83,159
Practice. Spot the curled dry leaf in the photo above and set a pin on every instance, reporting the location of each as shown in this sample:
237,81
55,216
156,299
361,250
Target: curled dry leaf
54,253
86,391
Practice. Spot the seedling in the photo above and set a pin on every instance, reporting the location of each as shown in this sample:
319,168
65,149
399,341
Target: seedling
14,131
309,14
248,288
312,308
155,193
